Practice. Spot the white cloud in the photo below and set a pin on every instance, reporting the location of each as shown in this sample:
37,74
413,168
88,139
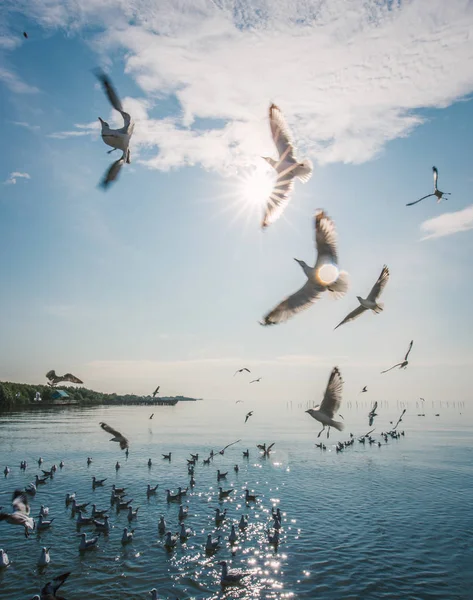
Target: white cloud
26,125
448,223
83,129
15,83
350,75
14,176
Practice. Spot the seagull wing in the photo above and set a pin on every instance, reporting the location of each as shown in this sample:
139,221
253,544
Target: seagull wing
436,176
423,198
278,199
247,370
228,445
302,299
333,394
20,502
410,348
50,589
281,134
72,378
325,239
156,390
51,375
116,434
390,368
378,287
112,173
109,90
353,315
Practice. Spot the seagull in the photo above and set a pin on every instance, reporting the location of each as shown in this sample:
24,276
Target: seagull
287,167
365,389
4,560
44,558
118,139
97,482
53,378
170,541
156,391
117,436
399,420
222,451
324,276
151,416
102,525
21,510
230,577
372,414
404,363
250,497
437,193
248,415
48,592
127,536
43,523
330,403
371,302
183,512
97,512
241,371
167,456
25,35
212,545
151,490
162,525
86,544
256,380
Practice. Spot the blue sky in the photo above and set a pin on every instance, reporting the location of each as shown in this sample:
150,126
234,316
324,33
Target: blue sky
163,278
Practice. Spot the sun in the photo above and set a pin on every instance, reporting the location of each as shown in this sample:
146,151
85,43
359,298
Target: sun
255,187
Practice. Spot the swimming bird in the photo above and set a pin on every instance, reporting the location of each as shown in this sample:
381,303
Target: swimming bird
43,523
243,524
230,577
236,468
127,536
287,167
324,276
162,525
6,470
118,139
273,539
83,520
132,514
211,545
404,363
167,456
4,560
246,454
155,392
220,516
256,380
117,436
224,493
151,490
119,491
184,532
183,512
372,414
54,379
233,537
241,371
86,544
61,464
330,404
149,463
97,512
97,482
89,461
102,525
43,511
221,475
48,592
70,498
154,594
437,193
79,507
250,497
44,558
371,301
123,504
266,450
172,497
170,541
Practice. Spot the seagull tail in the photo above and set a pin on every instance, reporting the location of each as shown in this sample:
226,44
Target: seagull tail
379,307
338,425
339,287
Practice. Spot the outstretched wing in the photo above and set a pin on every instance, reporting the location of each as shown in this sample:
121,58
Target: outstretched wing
410,348
156,391
20,502
112,173
278,199
109,90
353,315
50,589
325,239
281,134
228,445
333,394
436,176
378,287
391,368
72,378
118,437
302,299
416,201
51,375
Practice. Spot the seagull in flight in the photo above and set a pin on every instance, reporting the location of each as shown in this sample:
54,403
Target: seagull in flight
400,419
365,389
156,391
117,436
287,167
53,378
152,415
241,371
48,592
372,414
330,404
256,380
324,276
118,139
404,363
248,415
437,193
371,302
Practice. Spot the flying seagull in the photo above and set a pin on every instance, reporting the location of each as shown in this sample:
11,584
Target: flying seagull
20,512
25,35
248,415
152,415
117,436
156,391
437,193
287,167
400,419
365,389
48,592
404,363
256,380
118,139
371,302
241,371
53,378
372,414
330,403
324,276
222,451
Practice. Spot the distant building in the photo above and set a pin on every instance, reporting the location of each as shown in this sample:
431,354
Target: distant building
61,397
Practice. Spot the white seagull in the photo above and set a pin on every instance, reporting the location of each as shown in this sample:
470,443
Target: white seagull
330,404
437,193
118,139
324,276
287,167
404,363
371,301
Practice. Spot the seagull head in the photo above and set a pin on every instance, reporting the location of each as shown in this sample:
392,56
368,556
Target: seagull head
103,123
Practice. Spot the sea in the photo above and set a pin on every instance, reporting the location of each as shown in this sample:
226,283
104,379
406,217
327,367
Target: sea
373,521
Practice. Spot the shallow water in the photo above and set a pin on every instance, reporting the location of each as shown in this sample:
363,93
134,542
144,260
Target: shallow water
390,522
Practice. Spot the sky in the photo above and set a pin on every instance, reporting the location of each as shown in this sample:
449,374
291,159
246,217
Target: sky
162,279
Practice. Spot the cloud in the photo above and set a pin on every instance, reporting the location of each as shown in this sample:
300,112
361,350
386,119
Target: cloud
14,176
350,75
448,223
15,83
83,129
26,125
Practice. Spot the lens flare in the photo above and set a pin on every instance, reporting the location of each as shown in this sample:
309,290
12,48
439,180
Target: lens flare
328,273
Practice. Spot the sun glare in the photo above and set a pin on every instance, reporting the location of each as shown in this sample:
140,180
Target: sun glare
328,273
256,186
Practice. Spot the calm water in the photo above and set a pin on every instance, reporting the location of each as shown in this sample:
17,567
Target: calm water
390,522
